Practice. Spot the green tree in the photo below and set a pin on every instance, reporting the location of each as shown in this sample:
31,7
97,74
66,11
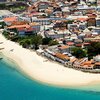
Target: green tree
78,52
3,24
53,42
6,34
69,21
36,41
45,41
25,43
93,49
14,38
2,6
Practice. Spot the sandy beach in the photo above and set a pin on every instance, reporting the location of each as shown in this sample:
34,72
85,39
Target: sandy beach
48,72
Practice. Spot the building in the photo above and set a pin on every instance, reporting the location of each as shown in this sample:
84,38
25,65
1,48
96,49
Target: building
91,22
5,13
62,58
25,31
97,58
9,20
22,28
97,22
56,34
96,30
35,26
64,49
41,21
43,5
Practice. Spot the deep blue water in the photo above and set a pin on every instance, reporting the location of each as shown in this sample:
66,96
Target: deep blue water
15,86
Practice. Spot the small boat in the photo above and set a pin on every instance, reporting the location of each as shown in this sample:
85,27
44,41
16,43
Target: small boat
12,50
1,42
1,48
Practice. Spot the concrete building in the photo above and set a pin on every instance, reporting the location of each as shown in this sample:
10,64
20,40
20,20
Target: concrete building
41,21
97,22
5,13
56,34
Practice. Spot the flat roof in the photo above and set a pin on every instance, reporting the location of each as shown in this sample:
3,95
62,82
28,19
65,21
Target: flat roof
54,18
5,12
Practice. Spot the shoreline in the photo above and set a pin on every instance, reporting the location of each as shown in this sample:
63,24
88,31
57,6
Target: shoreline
48,72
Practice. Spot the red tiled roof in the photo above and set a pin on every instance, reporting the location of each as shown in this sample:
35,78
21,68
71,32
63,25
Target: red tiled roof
70,43
19,26
91,15
62,56
73,60
78,45
82,19
26,29
19,23
10,19
87,63
86,43
97,63
63,47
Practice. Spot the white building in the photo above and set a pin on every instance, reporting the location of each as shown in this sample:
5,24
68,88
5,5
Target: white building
56,34
5,13
41,21
97,58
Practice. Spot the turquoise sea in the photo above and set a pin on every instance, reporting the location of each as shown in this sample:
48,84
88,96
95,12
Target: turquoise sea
16,86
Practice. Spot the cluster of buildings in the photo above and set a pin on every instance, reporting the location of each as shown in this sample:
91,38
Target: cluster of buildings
70,22
62,54
20,24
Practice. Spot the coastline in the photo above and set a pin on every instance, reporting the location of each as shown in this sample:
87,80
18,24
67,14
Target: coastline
47,72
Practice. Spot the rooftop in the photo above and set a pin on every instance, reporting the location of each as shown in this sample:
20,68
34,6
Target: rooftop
5,13
10,19
63,47
19,26
62,56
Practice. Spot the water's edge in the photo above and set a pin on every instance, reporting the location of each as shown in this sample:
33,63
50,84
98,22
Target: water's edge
11,62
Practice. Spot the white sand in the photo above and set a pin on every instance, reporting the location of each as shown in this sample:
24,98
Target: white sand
48,72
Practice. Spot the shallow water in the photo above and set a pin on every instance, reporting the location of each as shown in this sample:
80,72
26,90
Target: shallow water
15,86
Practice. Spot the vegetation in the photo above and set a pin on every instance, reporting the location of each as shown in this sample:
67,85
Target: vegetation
78,52
36,40
2,5
5,33
53,42
69,21
15,7
3,24
25,41
49,41
32,41
93,49
45,41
